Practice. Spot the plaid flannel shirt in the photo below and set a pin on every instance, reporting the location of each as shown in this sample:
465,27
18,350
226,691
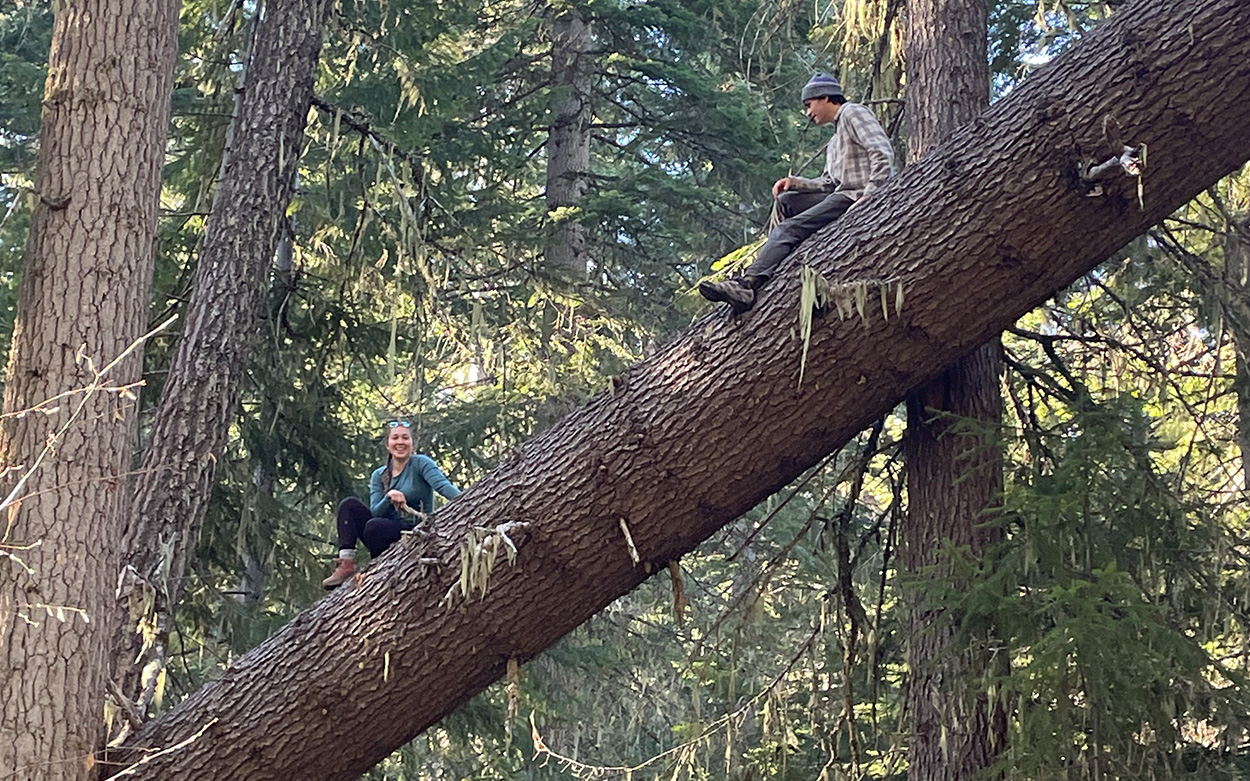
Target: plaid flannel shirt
859,157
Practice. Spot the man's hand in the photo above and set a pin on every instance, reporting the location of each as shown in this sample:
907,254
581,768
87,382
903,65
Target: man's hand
781,185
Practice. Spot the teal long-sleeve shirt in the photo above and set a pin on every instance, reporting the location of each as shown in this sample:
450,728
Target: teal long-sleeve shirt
419,480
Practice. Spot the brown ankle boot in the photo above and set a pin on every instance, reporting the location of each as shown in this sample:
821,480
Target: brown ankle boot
738,294
344,569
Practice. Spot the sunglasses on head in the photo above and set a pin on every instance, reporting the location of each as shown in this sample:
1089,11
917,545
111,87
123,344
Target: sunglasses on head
399,423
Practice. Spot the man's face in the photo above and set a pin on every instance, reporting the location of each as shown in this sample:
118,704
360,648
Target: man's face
821,110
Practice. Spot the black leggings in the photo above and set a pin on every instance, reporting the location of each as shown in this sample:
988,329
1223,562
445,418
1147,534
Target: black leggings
356,522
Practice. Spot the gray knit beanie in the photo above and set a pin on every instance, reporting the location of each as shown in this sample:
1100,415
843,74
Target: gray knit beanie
822,84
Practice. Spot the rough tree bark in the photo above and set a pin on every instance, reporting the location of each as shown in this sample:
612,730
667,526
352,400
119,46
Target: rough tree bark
954,467
192,421
568,143
84,298
979,232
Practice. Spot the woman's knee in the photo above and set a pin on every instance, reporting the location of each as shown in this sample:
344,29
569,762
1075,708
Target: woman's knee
352,512
380,534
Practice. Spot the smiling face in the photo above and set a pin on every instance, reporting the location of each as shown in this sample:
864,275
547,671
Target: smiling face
821,110
399,442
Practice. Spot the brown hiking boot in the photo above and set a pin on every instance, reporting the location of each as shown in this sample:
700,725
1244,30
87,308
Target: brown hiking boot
344,569
735,292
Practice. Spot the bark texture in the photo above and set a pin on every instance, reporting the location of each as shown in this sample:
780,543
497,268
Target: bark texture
191,425
948,75
954,477
568,143
954,467
84,299
979,232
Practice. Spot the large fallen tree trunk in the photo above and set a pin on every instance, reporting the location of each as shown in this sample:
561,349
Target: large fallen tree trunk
976,234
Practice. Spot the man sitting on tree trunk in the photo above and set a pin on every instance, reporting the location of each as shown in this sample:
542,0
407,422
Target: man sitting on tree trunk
858,160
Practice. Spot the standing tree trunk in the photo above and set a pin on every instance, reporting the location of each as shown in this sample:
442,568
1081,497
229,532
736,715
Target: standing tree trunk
691,438
84,301
954,470
568,143
193,419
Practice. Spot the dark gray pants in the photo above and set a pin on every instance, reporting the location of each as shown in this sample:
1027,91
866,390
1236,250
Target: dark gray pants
804,213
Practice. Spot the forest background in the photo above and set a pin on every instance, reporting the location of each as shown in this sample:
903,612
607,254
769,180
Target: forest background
418,279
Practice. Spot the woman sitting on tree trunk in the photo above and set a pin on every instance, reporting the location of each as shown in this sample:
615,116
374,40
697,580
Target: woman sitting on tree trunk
400,492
